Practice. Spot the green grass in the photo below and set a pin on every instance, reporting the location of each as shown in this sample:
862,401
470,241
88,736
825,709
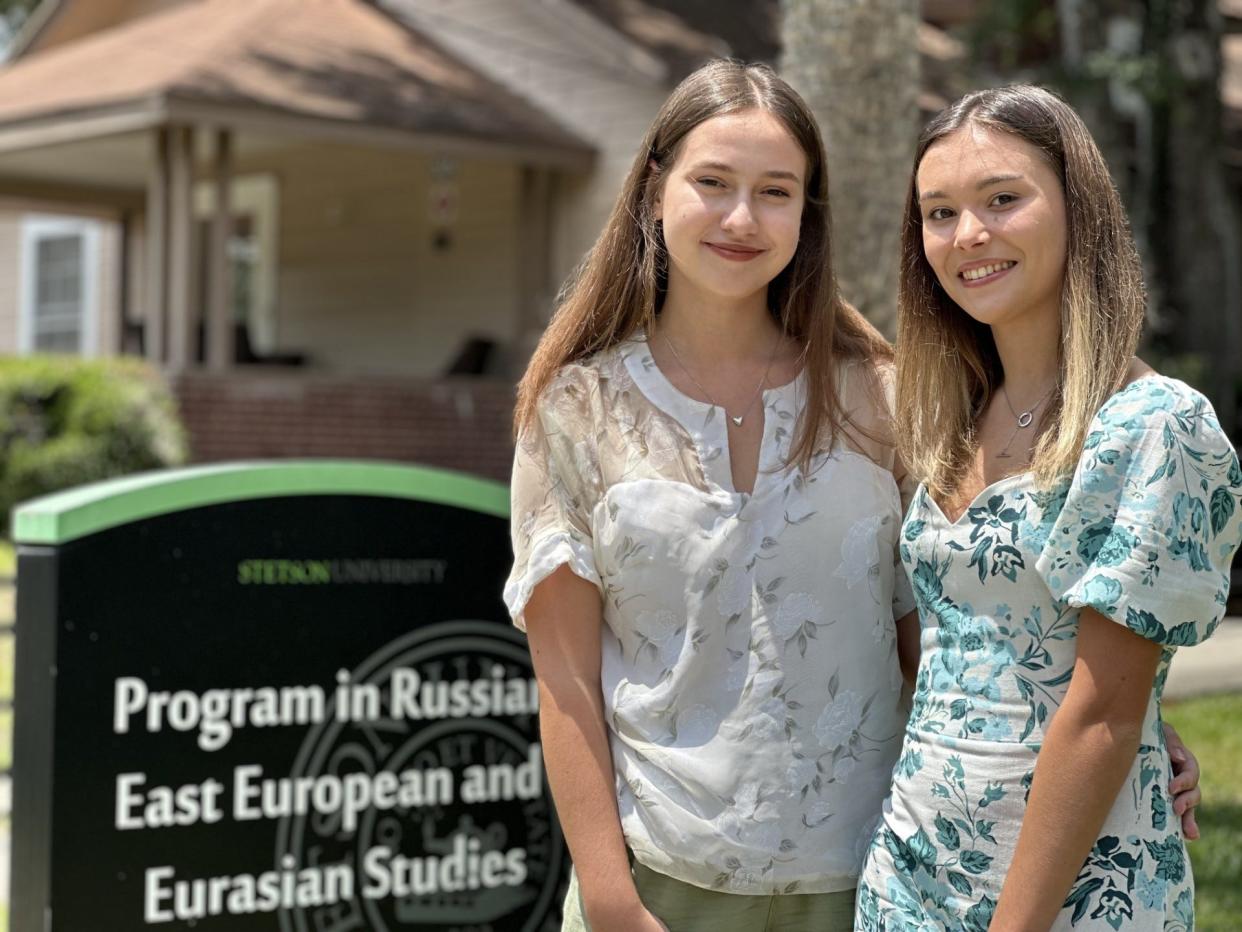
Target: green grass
8,560
1212,727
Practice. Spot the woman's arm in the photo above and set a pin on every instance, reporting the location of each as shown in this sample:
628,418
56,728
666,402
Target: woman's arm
563,625
1087,753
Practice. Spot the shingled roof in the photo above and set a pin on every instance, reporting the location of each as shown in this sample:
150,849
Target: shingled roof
341,62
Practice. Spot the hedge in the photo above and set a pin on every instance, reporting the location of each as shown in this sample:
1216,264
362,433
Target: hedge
66,421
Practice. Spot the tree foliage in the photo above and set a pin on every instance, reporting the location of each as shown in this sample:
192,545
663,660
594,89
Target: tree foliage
66,421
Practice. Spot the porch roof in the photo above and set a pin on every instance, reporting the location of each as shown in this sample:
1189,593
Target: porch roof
339,67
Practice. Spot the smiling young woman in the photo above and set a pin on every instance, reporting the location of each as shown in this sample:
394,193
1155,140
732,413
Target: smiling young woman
704,527
730,210
1074,526
994,227
950,367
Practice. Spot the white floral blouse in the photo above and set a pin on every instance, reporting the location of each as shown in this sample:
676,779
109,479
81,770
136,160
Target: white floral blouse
749,669
1144,534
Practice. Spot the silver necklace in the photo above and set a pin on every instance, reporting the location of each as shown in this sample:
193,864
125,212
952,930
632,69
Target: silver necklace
1021,421
737,420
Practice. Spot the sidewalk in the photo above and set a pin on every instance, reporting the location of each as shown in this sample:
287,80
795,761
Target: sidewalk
1212,667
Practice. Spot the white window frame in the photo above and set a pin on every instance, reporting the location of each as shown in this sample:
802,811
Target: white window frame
35,228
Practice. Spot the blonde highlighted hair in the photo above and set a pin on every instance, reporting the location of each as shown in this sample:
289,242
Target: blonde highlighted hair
947,362
619,287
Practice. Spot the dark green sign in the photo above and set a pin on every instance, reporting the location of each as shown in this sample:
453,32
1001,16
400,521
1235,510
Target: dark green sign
276,696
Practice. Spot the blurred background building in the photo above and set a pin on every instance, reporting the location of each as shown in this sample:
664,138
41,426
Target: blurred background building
337,226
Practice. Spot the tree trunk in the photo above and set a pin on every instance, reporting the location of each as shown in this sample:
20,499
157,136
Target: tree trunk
856,62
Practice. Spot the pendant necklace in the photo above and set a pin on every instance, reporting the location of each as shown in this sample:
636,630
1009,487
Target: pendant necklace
1021,421
737,420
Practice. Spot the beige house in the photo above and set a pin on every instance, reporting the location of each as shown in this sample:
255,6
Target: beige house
310,187
324,177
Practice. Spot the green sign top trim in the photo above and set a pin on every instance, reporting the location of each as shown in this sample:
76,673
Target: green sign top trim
66,516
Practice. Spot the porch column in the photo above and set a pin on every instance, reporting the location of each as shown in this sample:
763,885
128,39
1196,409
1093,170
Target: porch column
534,235
124,282
136,278
219,323
156,309
182,335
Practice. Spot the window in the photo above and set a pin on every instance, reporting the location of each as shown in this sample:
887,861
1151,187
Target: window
60,283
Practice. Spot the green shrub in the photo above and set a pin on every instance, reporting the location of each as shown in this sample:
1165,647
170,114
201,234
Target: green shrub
67,421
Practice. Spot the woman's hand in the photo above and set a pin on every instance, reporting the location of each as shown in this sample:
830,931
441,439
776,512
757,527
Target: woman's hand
1184,787
633,917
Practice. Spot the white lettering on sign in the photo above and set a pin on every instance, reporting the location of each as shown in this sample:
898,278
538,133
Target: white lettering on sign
465,867
217,713
416,698
349,795
167,899
165,806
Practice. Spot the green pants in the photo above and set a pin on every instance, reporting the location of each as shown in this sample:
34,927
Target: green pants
684,907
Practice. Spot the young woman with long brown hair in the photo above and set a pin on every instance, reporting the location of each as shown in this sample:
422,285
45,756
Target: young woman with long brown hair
705,520
1075,522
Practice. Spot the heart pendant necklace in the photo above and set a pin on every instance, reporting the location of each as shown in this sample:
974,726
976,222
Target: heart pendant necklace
738,418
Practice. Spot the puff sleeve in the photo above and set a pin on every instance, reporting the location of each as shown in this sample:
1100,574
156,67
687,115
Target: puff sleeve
1152,516
553,490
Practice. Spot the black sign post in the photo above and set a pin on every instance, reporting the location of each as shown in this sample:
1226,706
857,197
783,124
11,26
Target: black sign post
278,696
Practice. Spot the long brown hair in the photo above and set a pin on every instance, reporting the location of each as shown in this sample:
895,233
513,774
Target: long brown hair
947,363
619,287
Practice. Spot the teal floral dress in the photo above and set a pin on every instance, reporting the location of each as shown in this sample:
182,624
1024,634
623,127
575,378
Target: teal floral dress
1143,533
